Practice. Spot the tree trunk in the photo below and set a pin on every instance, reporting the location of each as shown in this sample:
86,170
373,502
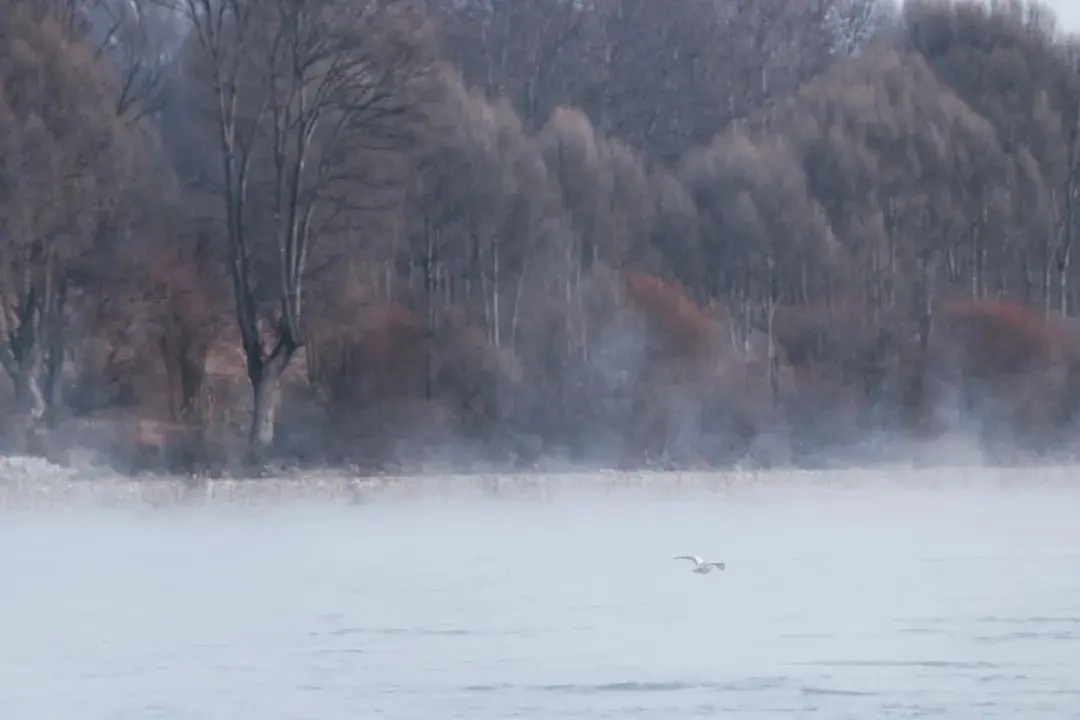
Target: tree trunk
517,307
33,353
29,397
192,375
1069,225
55,347
496,288
1047,286
774,361
51,379
1063,280
24,360
185,360
266,400
770,309
924,304
430,318
266,397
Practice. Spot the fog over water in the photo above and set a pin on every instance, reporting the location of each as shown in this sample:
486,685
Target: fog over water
844,603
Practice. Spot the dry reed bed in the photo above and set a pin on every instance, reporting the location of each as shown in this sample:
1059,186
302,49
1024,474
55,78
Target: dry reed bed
45,487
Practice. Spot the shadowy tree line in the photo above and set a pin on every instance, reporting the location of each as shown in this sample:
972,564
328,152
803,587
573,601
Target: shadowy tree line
616,232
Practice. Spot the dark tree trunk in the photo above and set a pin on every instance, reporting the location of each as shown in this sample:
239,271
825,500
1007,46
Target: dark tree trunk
55,352
192,374
265,376
185,362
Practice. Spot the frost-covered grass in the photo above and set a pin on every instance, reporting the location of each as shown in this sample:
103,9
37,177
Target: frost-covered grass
27,483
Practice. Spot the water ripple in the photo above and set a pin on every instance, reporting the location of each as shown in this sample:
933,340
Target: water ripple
934,664
394,631
636,686
837,692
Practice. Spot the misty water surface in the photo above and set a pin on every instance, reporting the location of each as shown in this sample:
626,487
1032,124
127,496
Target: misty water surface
850,603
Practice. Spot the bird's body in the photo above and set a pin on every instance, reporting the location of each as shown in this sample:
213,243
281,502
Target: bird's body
700,566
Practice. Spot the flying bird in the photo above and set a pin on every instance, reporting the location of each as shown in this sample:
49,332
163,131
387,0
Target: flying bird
700,566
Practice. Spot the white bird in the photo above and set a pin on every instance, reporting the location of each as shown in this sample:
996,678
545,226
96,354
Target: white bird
700,566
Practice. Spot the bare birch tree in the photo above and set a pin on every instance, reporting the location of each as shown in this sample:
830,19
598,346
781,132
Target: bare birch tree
853,24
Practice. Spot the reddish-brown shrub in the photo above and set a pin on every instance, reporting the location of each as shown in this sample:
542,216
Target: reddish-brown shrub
1007,364
377,378
997,338
676,327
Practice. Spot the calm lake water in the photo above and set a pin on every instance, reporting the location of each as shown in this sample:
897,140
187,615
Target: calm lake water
842,604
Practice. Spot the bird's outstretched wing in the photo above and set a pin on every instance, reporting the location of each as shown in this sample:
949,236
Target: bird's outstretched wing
718,565
694,558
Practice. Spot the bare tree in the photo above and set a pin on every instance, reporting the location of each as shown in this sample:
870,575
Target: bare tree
853,24
61,168
533,52
137,38
303,88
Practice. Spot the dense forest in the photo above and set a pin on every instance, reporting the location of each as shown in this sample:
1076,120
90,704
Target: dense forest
628,233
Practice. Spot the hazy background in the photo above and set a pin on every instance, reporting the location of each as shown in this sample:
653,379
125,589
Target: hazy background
1068,13
957,601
